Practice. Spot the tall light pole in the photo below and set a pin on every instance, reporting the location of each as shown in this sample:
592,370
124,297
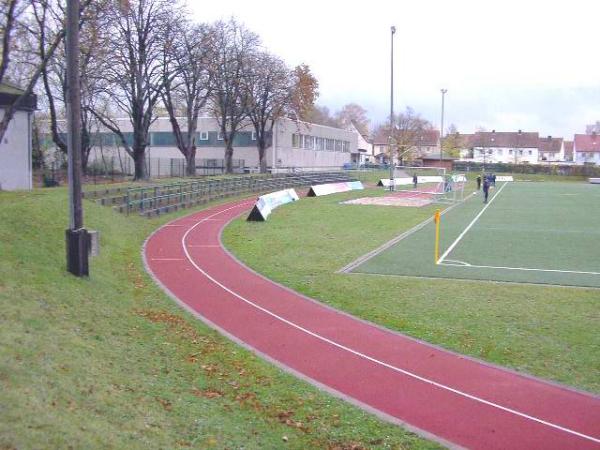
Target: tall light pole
443,91
77,239
393,31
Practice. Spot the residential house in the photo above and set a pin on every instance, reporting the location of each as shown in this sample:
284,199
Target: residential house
364,148
505,147
568,149
586,148
551,149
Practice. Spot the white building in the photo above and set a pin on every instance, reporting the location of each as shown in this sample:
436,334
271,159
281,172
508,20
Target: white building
551,149
505,147
15,148
292,144
586,148
364,148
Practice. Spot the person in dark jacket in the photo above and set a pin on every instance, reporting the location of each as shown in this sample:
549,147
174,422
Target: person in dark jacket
494,179
478,182
486,189
415,180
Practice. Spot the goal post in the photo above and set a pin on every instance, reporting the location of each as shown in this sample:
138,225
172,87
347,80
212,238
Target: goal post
433,183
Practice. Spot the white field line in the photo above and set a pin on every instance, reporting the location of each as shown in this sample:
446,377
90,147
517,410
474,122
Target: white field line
364,258
529,269
447,252
364,356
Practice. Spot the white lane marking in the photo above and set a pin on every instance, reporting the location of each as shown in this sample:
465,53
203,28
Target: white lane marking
367,256
529,269
369,358
455,262
447,252
168,259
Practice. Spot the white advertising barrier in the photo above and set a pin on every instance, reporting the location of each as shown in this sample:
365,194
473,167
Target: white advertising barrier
504,178
268,202
594,180
460,178
334,188
385,182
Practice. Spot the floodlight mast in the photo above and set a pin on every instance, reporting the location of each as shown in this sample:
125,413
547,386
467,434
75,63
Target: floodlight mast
390,140
77,239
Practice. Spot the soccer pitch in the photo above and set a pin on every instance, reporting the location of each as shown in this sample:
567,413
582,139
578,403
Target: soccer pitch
547,233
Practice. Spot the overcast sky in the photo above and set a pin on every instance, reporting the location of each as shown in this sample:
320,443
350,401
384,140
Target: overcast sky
507,65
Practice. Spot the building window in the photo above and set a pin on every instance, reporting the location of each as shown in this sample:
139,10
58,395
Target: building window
254,135
295,140
338,146
204,135
520,152
510,152
530,152
219,136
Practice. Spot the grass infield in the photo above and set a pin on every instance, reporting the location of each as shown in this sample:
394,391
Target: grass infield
112,362
528,232
543,330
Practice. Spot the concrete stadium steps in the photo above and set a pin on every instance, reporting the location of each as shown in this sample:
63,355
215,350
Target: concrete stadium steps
153,200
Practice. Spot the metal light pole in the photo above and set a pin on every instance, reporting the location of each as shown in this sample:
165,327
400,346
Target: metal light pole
393,31
443,91
77,238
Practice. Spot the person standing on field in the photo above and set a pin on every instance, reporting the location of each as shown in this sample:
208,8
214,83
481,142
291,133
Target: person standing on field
415,180
486,189
478,182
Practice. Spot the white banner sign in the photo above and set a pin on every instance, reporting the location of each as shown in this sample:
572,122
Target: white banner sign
334,188
268,202
504,178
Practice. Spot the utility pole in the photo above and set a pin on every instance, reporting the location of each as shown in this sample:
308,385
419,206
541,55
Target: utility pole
77,238
443,91
393,31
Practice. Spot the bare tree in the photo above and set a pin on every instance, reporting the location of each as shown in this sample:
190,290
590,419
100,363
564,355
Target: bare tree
408,127
187,55
131,72
353,113
28,23
9,11
269,84
320,115
54,75
229,100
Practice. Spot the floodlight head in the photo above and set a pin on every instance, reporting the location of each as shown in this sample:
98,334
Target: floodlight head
393,29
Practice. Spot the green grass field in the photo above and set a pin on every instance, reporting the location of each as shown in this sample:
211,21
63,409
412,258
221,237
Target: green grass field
544,330
112,362
529,232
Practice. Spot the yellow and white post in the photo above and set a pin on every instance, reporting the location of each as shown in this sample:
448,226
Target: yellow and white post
436,219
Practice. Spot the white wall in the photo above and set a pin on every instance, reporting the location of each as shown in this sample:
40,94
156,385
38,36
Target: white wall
506,155
589,157
15,153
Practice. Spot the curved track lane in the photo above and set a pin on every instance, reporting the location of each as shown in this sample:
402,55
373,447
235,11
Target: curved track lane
439,394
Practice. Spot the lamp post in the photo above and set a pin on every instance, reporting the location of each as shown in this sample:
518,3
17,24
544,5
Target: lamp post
443,91
77,238
390,140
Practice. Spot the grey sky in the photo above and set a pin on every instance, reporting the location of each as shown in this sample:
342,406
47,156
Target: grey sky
507,65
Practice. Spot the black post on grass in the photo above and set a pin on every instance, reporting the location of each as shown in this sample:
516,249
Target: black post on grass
77,239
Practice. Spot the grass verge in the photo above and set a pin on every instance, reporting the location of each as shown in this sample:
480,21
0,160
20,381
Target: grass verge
111,362
550,332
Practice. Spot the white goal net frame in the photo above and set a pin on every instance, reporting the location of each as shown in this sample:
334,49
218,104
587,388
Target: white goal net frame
431,182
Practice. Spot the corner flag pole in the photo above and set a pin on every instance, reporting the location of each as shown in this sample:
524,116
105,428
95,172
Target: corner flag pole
436,219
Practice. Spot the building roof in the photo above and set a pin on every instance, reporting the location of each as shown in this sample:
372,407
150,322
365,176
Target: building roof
550,144
587,142
428,138
504,139
10,93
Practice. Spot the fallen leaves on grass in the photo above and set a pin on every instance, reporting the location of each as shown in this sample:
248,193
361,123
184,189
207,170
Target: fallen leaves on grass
207,393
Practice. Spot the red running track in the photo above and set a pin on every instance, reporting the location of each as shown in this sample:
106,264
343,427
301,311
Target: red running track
439,394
